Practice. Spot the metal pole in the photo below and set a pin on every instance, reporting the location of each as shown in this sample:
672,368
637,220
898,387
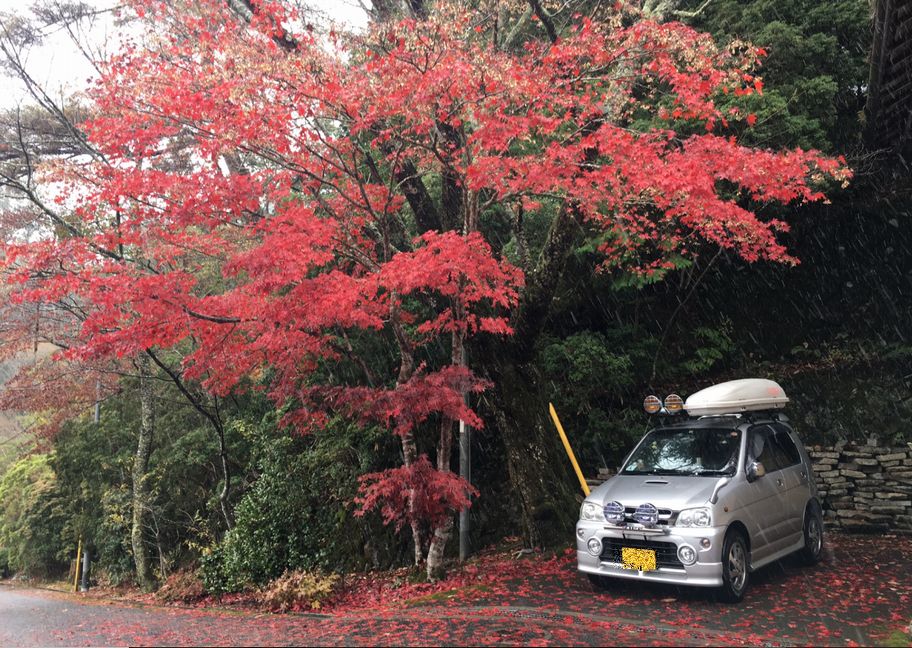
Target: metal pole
78,559
465,471
563,436
97,401
84,583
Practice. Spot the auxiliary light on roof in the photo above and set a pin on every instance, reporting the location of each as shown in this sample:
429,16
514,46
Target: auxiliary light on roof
652,405
674,404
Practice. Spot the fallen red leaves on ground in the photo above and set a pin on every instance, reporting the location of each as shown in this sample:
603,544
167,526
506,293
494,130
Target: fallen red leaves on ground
861,593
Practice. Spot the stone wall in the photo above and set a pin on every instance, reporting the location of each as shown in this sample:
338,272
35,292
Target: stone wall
865,488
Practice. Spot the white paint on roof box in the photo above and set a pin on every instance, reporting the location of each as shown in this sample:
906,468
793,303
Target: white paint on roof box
734,396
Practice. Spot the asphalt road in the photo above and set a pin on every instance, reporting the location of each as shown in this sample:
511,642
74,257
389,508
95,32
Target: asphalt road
42,618
861,594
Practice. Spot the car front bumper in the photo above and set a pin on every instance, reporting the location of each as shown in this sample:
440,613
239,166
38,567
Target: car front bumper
705,572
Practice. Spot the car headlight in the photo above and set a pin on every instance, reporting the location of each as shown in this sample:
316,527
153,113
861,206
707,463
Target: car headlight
591,511
695,517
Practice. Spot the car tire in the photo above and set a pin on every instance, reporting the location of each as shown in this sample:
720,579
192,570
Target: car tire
812,551
599,582
735,567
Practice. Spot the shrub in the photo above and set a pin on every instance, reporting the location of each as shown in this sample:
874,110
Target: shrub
114,552
296,515
222,570
299,589
183,586
31,519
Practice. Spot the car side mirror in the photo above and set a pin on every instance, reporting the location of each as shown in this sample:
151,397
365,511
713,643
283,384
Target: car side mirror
755,471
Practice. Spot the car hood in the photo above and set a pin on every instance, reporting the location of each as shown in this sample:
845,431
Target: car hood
674,493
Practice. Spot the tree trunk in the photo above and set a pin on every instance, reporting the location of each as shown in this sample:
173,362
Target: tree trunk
441,534
409,455
140,469
435,569
225,491
536,463
537,466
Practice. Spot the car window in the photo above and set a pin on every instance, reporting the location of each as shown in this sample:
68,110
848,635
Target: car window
786,448
762,448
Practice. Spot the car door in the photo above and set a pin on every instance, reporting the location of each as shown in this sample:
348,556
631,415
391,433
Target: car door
795,477
763,514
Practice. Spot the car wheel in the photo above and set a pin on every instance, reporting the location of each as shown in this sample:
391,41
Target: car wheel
735,566
813,537
599,582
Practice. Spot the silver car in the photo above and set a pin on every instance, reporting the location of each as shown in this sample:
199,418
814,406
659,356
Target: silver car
704,501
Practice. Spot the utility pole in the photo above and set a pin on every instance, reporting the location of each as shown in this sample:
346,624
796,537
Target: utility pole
465,471
84,582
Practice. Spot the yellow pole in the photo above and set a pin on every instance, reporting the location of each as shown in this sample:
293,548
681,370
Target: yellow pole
78,562
563,436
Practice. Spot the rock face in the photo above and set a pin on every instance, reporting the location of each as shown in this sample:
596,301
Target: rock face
865,488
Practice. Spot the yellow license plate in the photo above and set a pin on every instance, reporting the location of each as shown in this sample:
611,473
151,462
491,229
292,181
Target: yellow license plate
638,559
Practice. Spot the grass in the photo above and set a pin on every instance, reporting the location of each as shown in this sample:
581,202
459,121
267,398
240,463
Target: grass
898,639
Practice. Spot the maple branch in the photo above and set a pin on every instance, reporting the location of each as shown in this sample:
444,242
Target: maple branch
24,149
39,94
450,191
692,14
523,20
541,284
213,418
418,197
662,9
247,9
545,19
371,378
211,318
680,306
30,194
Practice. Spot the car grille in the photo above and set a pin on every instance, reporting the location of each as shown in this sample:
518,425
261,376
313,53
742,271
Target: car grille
666,552
664,516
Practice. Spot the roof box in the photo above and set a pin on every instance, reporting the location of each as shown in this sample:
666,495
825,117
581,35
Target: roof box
734,396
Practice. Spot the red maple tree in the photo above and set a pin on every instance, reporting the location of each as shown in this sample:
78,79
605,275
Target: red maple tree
261,197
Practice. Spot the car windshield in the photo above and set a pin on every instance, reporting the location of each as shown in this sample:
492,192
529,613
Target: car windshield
682,451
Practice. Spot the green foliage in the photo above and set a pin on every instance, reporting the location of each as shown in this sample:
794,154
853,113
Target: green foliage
90,460
586,366
587,376
296,515
597,380
715,344
114,553
31,517
299,589
88,493
814,73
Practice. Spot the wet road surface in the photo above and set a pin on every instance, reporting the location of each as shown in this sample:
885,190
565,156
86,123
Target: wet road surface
861,594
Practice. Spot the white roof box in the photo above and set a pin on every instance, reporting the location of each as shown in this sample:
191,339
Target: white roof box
734,396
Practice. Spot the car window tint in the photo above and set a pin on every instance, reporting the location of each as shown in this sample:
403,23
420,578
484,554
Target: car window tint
786,449
761,448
